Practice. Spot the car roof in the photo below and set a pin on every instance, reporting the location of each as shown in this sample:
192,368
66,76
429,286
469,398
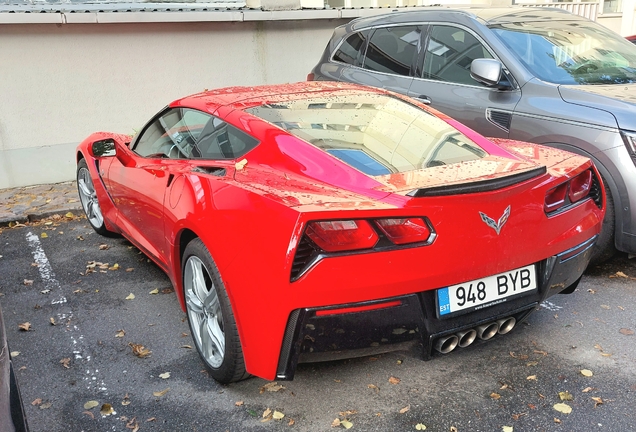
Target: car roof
488,16
246,97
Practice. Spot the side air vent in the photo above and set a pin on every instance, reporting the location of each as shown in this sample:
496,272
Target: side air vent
305,252
595,191
500,119
215,171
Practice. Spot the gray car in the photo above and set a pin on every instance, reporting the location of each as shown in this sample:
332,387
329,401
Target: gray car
531,74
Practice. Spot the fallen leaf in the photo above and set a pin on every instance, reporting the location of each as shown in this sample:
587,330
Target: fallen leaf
271,387
90,404
420,426
114,267
507,428
291,422
532,378
597,401
495,396
133,424
605,307
532,406
586,372
405,409
278,415
347,424
520,356
140,350
46,405
165,375
565,396
27,282
14,354
556,420
267,413
151,419
160,393
106,409
621,275
129,269
120,333
44,235
154,291
52,321
131,296
65,361
588,389
238,403
69,215
394,380
25,326
591,291
36,402
335,423
186,346
103,246
626,331
562,408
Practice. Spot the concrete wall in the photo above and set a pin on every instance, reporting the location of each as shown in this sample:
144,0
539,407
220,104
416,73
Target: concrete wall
59,83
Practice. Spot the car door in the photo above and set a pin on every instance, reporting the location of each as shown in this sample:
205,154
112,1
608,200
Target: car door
138,186
443,81
389,58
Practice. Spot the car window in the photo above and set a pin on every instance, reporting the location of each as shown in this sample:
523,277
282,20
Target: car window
184,133
570,52
449,52
352,49
392,49
376,134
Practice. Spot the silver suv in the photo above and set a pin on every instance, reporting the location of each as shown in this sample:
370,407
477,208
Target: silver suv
530,74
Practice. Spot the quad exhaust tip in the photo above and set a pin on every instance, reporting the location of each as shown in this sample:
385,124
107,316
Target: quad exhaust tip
487,331
446,344
505,325
464,338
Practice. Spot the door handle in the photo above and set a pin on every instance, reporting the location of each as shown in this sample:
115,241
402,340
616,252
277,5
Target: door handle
424,99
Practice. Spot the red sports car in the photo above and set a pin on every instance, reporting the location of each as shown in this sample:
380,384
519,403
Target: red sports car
326,219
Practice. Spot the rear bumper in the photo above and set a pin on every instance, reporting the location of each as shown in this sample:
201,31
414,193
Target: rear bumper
384,325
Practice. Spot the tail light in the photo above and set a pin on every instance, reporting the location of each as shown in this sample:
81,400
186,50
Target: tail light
342,235
580,186
404,230
569,192
555,198
310,76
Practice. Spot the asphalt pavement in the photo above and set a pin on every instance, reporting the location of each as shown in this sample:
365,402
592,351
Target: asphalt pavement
100,342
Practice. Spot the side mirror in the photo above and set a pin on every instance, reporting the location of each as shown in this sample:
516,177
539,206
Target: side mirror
489,73
103,148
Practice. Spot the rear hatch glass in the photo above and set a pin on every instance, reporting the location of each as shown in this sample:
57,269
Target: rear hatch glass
376,134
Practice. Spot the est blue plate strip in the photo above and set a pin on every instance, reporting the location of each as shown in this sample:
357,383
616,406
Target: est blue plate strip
443,300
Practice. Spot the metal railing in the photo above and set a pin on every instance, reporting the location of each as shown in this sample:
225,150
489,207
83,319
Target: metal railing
588,10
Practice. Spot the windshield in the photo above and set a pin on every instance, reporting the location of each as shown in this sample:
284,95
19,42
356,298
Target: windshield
375,134
571,52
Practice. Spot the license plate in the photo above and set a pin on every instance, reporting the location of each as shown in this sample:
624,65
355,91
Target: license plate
482,293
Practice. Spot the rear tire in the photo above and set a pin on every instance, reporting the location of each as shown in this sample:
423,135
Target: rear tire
89,200
210,315
604,249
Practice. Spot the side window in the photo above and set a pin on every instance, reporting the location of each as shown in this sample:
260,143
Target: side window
351,50
392,49
220,140
449,53
184,133
172,135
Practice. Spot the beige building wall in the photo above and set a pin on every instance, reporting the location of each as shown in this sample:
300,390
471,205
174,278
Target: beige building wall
59,82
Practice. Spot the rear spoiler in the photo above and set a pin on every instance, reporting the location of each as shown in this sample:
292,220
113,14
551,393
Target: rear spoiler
478,186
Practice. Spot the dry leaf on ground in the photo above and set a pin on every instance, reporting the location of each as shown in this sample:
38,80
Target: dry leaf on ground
25,326
277,415
586,372
562,408
626,331
160,393
405,409
106,409
90,404
394,380
131,296
65,362
565,396
271,387
164,375
140,350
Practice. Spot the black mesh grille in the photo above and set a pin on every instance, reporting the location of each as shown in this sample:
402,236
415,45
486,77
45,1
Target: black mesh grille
304,254
501,119
595,191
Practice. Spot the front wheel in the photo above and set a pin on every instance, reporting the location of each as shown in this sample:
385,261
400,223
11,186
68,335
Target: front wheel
88,198
210,315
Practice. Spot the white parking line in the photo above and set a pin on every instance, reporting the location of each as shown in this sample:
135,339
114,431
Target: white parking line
53,287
